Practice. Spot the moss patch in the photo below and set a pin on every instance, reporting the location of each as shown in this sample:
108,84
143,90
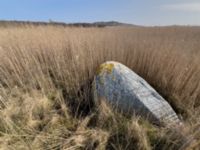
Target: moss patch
105,67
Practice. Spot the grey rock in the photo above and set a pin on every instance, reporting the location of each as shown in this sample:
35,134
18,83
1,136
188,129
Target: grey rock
129,93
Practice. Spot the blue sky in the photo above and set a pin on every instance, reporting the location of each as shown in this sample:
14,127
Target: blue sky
140,12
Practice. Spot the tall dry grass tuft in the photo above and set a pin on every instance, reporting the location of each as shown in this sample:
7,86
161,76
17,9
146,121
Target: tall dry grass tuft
45,86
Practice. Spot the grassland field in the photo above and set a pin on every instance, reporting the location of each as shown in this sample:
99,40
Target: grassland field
45,86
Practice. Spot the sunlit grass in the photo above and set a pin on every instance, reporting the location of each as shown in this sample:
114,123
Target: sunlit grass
46,74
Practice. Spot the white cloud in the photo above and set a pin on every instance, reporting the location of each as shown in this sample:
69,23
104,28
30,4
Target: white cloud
186,7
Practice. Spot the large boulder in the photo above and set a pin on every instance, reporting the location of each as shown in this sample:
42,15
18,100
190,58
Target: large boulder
129,93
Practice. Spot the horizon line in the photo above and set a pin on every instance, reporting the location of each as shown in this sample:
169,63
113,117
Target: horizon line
92,22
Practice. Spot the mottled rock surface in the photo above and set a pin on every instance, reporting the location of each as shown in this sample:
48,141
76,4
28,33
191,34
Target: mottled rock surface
126,91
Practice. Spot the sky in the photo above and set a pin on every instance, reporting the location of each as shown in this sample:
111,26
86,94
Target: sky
139,12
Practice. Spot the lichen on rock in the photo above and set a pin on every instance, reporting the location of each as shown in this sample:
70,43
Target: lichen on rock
128,92
106,67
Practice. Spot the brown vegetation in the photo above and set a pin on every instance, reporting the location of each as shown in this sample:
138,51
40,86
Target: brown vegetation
45,86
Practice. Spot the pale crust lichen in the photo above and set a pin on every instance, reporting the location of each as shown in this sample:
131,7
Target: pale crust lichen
106,67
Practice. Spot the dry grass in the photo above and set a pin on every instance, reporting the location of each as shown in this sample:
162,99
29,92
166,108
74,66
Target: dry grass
45,86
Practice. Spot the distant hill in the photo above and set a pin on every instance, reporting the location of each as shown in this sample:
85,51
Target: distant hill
95,24
112,23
